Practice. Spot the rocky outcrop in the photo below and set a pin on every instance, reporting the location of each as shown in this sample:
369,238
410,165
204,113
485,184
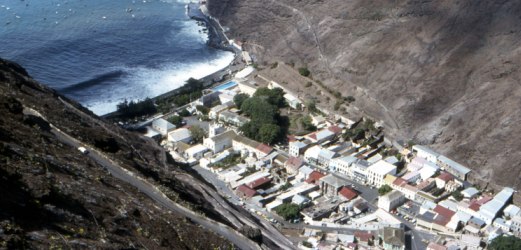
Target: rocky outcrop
442,73
53,196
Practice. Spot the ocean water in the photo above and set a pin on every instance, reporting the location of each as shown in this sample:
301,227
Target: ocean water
100,52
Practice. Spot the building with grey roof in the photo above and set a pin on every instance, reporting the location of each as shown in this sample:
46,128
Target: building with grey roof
330,184
162,126
453,167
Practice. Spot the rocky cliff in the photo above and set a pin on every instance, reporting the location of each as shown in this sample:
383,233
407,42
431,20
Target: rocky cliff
53,196
442,73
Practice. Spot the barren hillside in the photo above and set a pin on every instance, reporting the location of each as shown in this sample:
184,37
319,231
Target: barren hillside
443,73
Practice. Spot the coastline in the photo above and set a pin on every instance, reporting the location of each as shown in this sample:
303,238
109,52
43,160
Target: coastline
217,40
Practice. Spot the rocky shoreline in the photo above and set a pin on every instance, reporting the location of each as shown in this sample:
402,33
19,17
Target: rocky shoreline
216,39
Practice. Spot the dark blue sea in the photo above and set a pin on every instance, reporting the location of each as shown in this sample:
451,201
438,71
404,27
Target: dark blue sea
100,52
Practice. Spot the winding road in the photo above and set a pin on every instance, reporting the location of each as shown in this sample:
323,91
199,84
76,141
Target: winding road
149,189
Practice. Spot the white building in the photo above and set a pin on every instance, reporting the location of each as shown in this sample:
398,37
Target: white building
162,126
220,142
180,135
324,157
196,152
378,171
215,129
391,200
425,153
247,88
296,148
491,209
342,164
453,167
311,154
215,111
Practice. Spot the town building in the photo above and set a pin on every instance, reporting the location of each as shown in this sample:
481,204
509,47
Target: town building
311,154
491,209
393,238
443,179
453,167
341,165
330,185
245,192
347,193
162,126
358,170
260,150
470,192
215,111
247,88
180,135
232,118
324,157
378,171
195,152
516,225
293,164
297,148
425,153
391,200
220,142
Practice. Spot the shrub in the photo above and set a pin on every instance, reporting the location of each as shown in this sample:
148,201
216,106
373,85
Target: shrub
384,189
308,84
304,71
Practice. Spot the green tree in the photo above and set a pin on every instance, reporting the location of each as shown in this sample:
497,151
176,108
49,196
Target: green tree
268,133
202,109
307,123
384,189
259,110
274,96
505,243
288,211
197,133
184,113
457,195
239,99
304,71
176,120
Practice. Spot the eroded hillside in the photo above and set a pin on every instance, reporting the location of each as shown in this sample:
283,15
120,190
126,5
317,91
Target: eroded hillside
53,196
443,73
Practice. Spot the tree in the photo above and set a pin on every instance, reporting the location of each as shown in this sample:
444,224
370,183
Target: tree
274,96
239,99
307,123
384,189
288,211
505,243
197,133
312,107
176,120
193,83
184,113
134,109
304,71
259,110
457,195
203,109
268,133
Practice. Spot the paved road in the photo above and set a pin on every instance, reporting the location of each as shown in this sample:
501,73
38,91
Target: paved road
267,229
151,191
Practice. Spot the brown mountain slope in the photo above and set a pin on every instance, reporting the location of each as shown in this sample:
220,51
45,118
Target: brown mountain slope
444,73
52,196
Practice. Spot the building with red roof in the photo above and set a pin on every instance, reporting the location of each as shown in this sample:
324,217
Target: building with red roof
259,183
364,237
293,164
265,149
335,129
314,177
244,191
347,193
443,179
